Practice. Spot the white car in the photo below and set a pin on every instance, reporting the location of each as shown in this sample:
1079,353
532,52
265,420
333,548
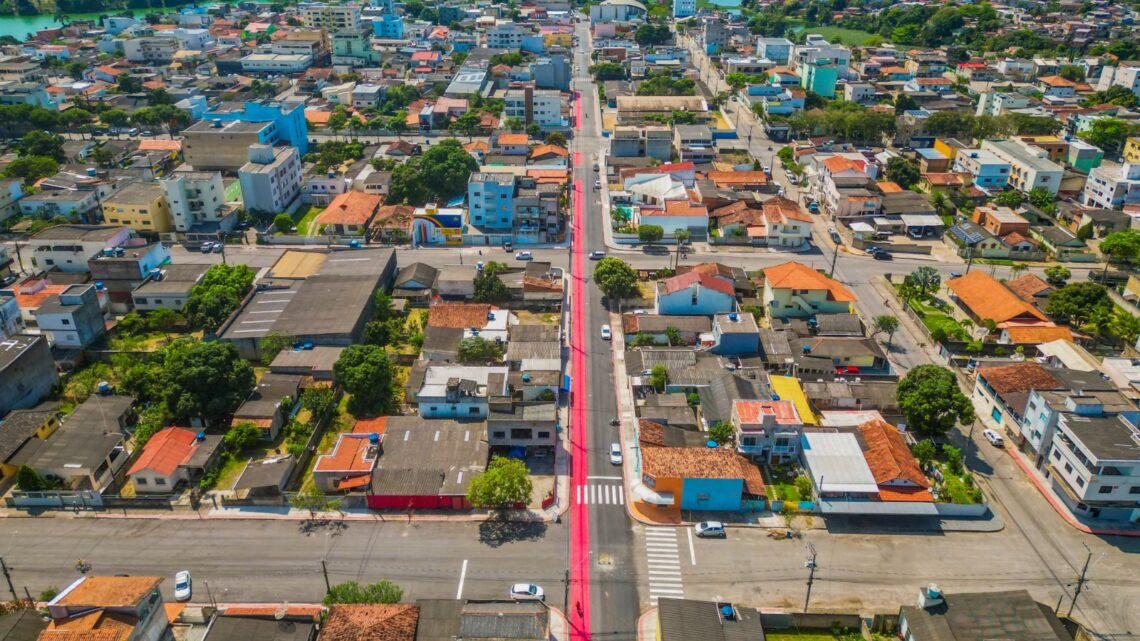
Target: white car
994,438
527,592
615,453
606,333
524,256
709,529
183,586
597,255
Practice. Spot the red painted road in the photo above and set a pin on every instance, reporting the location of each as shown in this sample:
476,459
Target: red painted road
577,159
579,614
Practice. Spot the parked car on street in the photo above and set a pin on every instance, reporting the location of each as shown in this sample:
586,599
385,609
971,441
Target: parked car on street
597,255
606,333
710,529
183,586
994,438
524,256
615,453
527,592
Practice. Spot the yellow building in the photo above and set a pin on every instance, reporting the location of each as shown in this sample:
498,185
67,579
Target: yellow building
1132,150
948,147
22,425
140,206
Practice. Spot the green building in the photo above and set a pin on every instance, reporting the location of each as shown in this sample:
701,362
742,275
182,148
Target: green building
820,76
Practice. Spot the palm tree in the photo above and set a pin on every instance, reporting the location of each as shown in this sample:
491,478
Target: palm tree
1018,268
1125,326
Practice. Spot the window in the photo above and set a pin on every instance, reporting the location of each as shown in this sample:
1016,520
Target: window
160,481
1135,489
1068,467
547,435
142,481
1080,482
1105,489
434,408
65,321
499,434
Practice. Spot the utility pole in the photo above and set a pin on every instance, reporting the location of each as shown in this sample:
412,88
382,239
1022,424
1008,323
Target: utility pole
834,257
810,565
7,577
1076,591
325,571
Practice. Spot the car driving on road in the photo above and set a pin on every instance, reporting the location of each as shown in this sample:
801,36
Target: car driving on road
606,333
597,255
183,586
615,453
994,438
524,256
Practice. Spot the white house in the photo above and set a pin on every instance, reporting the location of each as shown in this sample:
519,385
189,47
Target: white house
458,391
172,456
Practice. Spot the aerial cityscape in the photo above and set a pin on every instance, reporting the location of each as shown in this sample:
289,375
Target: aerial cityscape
565,320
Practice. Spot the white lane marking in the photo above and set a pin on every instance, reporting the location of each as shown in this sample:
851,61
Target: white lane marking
603,478
692,550
609,501
621,495
462,578
579,495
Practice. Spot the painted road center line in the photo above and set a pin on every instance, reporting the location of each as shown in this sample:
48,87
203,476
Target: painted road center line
462,578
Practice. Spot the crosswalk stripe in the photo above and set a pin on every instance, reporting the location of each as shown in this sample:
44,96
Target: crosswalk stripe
608,501
666,591
621,495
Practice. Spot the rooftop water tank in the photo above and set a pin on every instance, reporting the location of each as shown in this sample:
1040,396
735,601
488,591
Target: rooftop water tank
373,438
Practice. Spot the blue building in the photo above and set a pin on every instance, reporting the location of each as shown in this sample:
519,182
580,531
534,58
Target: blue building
698,478
288,119
389,26
695,294
491,198
684,8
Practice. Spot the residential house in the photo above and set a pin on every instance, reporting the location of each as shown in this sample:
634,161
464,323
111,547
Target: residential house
1000,221
1093,466
839,472
1112,186
73,319
172,456
895,469
686,619
1013,614
128,608
349,465
20,426
349,214
658,328
767,431
168,287
27,371
88,450
1080,393
694,143
676,215
197,200
141,206
795,290
1030,167
459,391
125,268
694,293
1001,393
371,622
982,298
987,169
270,404
704,479
735,334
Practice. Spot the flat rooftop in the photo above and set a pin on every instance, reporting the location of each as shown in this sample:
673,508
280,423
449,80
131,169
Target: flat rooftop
1108,438
13,347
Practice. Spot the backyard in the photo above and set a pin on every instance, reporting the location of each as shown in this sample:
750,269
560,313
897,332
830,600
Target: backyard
787,484
935,315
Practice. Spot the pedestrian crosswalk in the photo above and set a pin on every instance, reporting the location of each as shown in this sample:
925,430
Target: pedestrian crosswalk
601,494
664,564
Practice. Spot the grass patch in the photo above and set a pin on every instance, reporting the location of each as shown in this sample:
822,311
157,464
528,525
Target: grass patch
958,488
233,192
532,318
835,34
305,217
230,472
996,261
936,319
784,492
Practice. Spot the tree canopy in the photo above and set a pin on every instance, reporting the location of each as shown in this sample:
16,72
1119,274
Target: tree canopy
931,401
441,172
903,171
204,379
476,349
217,296
365,372
1078,302
489,288
615,278
504,484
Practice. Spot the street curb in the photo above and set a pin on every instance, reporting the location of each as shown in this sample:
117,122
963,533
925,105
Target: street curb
641,620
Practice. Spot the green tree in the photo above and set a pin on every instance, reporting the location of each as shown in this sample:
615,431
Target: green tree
272,345
504,485
1043,200
75,69
925,451
31,168
925,279
905,102
1011,198
351,592
489,288
42,143
218,295
283,223
652,34
1077,302
723,433
1075,73
102,156
204,380
1108,133
887,324
1122,246
313,500
476,349
1124,326
607,71
242,436
556,138
903,172
650,233
615,278
365,372
931,401
28,480
1057,275
658,377
514,123
467,124
318,400
126,83
114,118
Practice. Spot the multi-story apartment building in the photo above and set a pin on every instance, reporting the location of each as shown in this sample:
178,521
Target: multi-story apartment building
331,17
778,50
1029,166
491,200
1112,186
1094,466
684,8
1126,74
989,171
271,180
195,198
157,50
141,206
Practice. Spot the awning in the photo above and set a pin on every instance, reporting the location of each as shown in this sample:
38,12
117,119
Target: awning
896,508
645,494
921,220
354,482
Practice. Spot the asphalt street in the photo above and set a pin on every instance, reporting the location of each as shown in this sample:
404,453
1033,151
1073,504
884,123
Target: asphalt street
275,561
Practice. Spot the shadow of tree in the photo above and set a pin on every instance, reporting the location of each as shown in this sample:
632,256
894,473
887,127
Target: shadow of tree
498,532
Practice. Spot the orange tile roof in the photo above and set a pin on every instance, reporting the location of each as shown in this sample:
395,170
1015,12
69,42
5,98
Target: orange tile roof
354,482
905,494
557,176
110,71
1036,334
458,315
34,300
478,145
110,591
722,178
987,298
1018,377
837,164
701,463
371,623
542,150
317,116
888,455
685,208
378,425
82,635
682,281
1028,286
944,179
888,187
349,455
751,411
1056,81
307,611
351,208
779,210
513,139
173,610
165,451
393,216
709,269
160,145
793,275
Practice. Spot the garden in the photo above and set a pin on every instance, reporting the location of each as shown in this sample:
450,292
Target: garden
787,483
953,483
919,292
